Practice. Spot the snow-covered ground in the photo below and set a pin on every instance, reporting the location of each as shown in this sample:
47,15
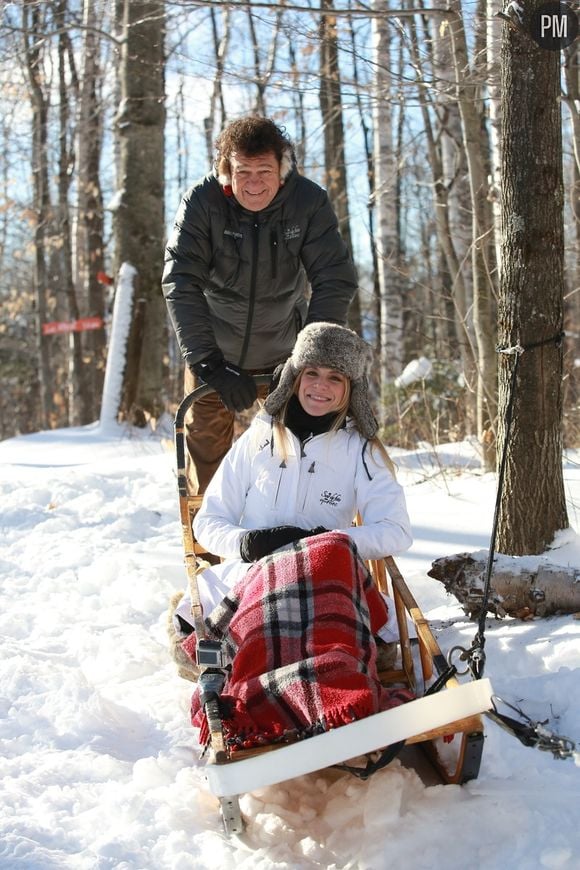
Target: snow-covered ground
99,765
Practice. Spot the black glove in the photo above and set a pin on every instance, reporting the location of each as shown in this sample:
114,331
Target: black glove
236,389
258,543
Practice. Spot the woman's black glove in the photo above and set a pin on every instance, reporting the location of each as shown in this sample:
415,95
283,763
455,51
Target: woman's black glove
236,389
258,543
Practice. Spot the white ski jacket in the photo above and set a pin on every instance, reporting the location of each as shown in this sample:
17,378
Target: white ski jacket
323,482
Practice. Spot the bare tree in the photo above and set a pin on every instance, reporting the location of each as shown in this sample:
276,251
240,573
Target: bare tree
139,216
533,506
484,315
66,71
262,76
334,147
34,42
441,124
369,159
210,122
391,307
89,239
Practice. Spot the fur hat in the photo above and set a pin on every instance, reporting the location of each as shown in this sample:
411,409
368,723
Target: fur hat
334,347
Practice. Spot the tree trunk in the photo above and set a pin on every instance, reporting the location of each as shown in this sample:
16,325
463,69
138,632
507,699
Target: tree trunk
482,240
139,222
572,96
262,77
533,506
67,287
32,30
493,88
334,148
210,124
368,152
299,109
391,308
89,228
445,160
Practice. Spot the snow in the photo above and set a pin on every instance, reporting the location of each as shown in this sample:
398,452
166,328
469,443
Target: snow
99,765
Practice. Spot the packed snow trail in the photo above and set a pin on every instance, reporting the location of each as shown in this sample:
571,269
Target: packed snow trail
99,766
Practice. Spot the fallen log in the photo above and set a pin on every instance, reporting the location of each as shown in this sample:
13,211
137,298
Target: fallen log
521,586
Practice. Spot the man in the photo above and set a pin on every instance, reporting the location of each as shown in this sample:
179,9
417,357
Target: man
247,241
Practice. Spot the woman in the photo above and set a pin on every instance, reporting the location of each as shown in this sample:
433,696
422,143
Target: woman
307,465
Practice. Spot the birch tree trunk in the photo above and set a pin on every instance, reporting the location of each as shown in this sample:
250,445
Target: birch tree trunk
334,147
493,34
533,505
139,222
391,306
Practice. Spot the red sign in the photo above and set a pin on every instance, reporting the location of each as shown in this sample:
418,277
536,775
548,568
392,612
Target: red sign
105,279
58,326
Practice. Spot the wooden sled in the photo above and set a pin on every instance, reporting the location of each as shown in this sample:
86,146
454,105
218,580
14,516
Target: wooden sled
446,725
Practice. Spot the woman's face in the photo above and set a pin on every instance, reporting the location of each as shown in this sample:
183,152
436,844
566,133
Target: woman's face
321,390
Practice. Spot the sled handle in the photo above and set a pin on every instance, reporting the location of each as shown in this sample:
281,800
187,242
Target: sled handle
184,407
204,390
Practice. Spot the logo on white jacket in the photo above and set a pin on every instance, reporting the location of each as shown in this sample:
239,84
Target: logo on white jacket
331,498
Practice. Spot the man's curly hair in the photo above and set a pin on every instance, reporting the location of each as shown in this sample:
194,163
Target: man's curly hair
252,136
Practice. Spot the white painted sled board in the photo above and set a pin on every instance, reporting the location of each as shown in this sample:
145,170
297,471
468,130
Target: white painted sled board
349,741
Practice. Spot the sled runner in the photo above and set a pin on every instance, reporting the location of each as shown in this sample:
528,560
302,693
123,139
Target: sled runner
443,718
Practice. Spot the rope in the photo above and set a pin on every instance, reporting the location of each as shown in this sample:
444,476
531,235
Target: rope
527,731
476,653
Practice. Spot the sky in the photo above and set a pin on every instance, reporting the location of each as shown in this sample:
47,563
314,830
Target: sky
99,766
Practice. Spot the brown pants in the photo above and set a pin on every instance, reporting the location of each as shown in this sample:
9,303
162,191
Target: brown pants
209,432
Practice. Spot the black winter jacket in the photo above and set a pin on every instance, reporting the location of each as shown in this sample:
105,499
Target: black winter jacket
236,280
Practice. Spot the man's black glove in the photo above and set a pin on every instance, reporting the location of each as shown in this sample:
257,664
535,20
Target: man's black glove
236,389
258,543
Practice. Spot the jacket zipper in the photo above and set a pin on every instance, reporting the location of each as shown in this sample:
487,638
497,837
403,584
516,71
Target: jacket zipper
311,471
274,254
282,466
252,299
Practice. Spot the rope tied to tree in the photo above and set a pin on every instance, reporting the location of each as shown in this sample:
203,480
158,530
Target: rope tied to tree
476,653
528,732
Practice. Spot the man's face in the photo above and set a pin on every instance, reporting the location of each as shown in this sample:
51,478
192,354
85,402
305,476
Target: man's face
255,180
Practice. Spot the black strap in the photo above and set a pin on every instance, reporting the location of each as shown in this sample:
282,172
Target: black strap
386,756
531,733
476,655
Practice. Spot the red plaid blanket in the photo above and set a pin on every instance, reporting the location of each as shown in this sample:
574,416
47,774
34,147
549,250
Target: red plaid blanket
299,630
